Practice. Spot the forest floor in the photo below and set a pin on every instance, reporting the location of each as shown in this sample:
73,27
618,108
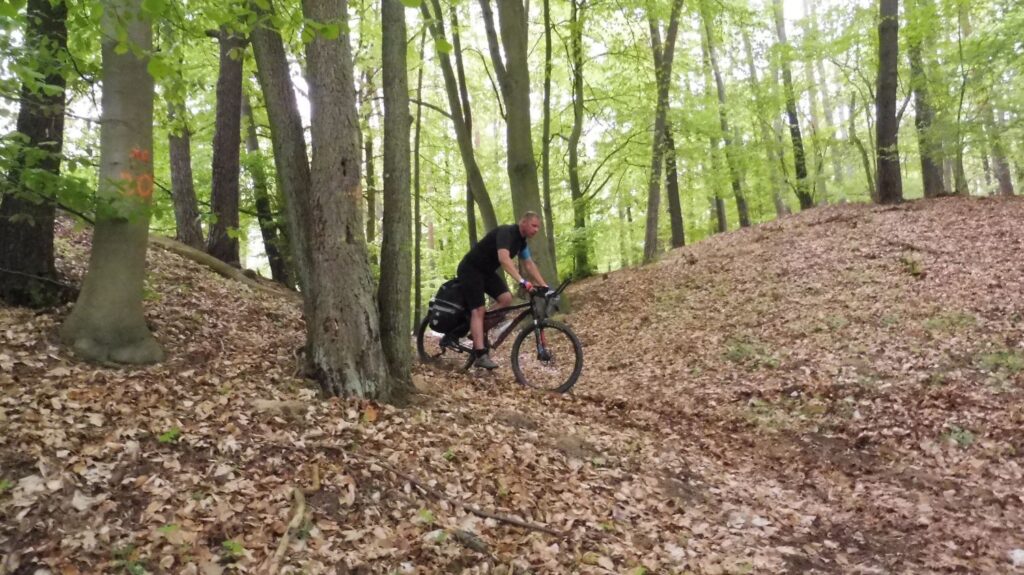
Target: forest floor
839,391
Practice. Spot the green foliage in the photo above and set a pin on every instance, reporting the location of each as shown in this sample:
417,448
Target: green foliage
1010,361
170,436
950,322
5,485
233,548
750,352
961,437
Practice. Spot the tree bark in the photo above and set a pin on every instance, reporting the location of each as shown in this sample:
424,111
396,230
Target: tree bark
286,135
890,183
581,246
799,159
107,322
924,115
371,183
417,217
545,154
468,114
462,134
663,56
343,330
865,157
514,78
261,195
186,207
767,132
27,213
222,242
1000,164
395,256
730,154
675,210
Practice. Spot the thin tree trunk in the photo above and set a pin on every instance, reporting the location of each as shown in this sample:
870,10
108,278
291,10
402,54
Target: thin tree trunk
369,92
581,247
545,154
261,195
1001,165
468,114
342,325
865,156
514,78
663,56
27,214
222,242
286,135
186,207
799,159
107,322
675,210
730,153
924,114
462,134
767,140
890,184
417,217
395,257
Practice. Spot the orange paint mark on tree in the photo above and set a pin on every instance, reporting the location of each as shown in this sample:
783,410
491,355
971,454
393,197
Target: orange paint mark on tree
138,180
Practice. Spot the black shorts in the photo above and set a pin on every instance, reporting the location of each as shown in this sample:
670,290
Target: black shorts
475,283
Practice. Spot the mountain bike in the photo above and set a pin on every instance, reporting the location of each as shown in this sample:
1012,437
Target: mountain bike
546,354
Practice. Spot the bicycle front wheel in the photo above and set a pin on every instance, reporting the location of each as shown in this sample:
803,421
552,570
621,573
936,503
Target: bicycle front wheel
547,355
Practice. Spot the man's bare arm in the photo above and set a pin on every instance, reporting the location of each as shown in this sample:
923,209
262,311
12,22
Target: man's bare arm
508,265
534,272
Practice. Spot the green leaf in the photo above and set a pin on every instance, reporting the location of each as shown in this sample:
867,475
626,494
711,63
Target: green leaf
263,4
169,436
234,548
158,67
11,8
442,46
330,31
425,516
154,7
411,3
5,484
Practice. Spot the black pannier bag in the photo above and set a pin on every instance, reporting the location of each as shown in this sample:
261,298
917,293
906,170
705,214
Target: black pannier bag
448,313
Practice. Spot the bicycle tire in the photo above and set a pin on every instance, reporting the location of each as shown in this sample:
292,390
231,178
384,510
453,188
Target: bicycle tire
527,332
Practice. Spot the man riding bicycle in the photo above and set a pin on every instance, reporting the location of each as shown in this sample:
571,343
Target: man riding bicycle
478,273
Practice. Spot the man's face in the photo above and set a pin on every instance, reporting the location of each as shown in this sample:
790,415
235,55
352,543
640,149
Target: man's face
529,227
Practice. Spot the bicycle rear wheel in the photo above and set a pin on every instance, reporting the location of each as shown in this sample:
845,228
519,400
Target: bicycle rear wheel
547,356
430,351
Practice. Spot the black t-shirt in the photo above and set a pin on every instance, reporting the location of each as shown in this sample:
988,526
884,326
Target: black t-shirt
484,255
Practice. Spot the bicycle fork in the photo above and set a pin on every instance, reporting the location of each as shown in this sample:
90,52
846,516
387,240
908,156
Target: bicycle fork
543,353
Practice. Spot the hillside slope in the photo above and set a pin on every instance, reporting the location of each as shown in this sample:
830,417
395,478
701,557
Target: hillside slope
839,391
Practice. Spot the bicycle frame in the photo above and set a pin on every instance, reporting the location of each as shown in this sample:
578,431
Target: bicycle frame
497,314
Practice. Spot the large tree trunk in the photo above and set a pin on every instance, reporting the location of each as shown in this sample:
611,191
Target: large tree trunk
286,135
663,56
924,115
183,190
799,159
107,322
462,135
261,194
514,78
545,153
222,242
675,209
395,257
581,246
27,270
342,328
730,153
890,184
417,217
